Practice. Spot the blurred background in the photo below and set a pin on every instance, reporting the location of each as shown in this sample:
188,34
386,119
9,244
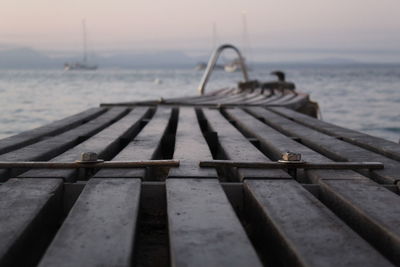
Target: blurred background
346,54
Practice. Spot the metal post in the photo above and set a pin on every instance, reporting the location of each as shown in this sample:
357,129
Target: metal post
213,61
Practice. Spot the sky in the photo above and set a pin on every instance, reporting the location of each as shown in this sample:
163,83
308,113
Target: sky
329,27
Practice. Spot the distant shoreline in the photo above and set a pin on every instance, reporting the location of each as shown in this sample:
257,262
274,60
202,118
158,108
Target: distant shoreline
28,58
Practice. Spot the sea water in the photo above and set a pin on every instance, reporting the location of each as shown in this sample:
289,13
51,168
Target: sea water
361,97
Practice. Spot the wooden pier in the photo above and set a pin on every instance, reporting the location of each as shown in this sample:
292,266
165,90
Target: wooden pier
228,215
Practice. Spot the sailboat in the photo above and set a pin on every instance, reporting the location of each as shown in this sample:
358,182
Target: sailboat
235,65
202,65
83,65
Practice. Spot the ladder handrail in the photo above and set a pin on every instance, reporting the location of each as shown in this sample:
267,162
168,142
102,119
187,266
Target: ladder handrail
213,61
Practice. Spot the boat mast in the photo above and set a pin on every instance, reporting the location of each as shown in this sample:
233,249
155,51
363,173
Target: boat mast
214,36
244,34
84,41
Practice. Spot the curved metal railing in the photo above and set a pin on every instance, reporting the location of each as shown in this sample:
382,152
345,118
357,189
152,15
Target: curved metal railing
213,61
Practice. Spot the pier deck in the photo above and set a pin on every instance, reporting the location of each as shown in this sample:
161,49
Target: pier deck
196,216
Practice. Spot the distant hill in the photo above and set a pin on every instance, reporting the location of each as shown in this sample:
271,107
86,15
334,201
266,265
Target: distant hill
27,58
156,59
335,60
22,58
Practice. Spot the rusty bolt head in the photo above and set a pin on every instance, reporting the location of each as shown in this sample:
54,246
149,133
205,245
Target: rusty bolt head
291,156
89,157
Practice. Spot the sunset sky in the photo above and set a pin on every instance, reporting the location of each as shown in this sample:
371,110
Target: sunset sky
344,25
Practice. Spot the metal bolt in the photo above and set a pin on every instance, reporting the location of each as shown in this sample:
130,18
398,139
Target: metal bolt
291,156
89,157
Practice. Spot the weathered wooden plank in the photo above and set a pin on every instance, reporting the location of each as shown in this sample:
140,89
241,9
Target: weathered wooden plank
296,102
331,146
271,98
371,209
283,99
247,97
48,148
196,99
178,100
368,207
275,143
190,147
263,96
224,98
278,165
26,206
223,91
29,137
203,228
103,143
145,145
100,228
237,147
379,145
205,98
272,141
302,231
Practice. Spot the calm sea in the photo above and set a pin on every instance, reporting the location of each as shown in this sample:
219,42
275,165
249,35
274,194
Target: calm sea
361,97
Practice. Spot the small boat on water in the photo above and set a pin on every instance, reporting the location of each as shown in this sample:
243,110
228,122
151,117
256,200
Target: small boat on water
240,176
202,66
80,66
233,66
84,64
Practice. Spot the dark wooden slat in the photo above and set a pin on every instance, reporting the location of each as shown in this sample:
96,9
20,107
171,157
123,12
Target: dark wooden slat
269,99
196,99
297,102
275,143
46,149
190,100
248,96
178,100
118,164
283,99
238,148
29,137
371,211
370,208
223,91
104,144
379,145
26,205
292,164
262,97
203,228
214,100
190,147
100,228
224,98
304,232
331,146
145,146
